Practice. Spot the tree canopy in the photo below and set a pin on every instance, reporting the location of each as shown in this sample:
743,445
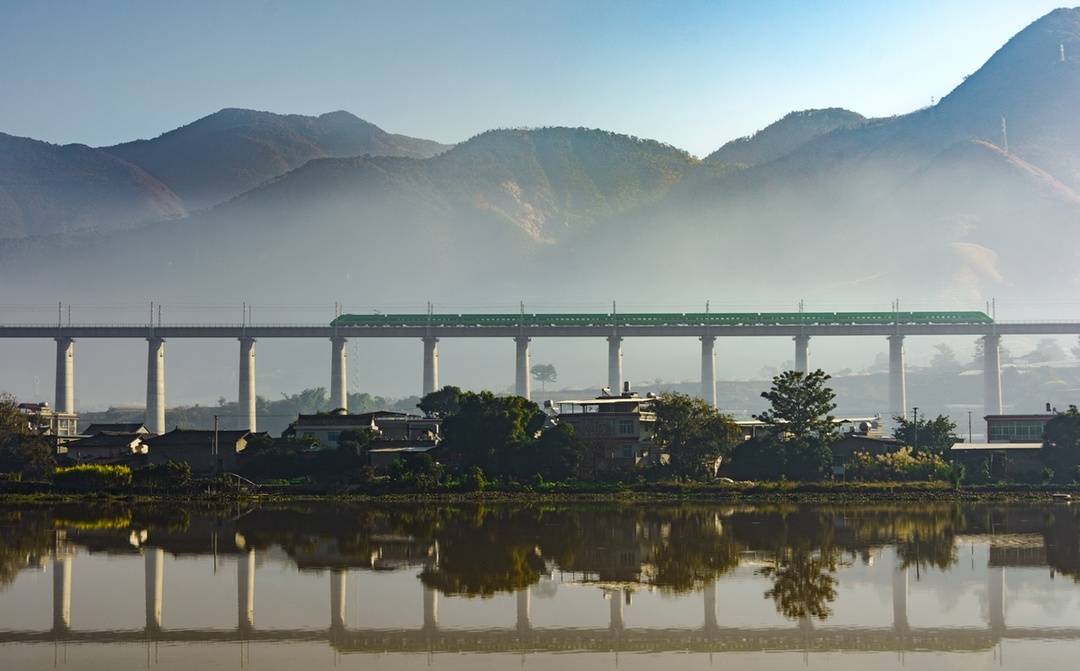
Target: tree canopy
506,436
801,405
442,402
936,435
800,430
22,449
544,373
694,434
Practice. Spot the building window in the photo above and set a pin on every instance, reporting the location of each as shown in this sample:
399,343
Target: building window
626,427
1018,431
332,436
628,452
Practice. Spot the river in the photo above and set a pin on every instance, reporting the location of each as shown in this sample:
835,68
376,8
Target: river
542,586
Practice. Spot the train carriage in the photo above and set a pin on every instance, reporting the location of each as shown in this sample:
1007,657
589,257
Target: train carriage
583,319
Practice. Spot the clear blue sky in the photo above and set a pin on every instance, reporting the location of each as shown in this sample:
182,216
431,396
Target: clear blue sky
694,74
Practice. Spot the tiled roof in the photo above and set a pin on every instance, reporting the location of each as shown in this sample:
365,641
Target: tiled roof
196,438
106,439
115,427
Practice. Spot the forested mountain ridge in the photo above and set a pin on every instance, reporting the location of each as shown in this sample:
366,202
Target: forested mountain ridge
231,151
784,136
49,189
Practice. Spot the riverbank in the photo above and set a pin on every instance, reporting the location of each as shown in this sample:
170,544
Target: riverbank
658,491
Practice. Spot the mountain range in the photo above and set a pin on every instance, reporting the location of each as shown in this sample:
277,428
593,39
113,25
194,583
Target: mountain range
982,188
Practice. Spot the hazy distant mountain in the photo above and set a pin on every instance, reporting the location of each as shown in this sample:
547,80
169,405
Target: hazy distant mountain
228,152
821,203
545,183
784,136
48,189
549,181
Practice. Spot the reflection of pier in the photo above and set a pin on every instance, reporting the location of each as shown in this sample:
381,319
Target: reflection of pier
711,636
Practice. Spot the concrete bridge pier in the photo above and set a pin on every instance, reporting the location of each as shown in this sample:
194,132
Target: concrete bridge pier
431,609
524,614
431,365
992,403
245,591
897,378
802,353
338,592
155,580
65,375
246,395
900,597
339,374
710,607
708,370
62,592
522,382
614,364
155,385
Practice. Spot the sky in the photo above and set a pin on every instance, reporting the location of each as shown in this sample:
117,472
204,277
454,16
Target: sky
692,74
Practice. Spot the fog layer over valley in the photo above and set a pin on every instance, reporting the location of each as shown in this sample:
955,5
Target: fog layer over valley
973,198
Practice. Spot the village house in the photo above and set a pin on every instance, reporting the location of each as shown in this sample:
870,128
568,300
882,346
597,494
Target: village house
107,447
204,451
42,419
620,426
325,428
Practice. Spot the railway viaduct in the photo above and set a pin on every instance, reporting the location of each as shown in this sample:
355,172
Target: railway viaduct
801,327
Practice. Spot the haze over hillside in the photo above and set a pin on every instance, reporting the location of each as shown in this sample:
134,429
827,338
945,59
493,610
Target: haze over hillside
784,136
47,189
824,204
228,152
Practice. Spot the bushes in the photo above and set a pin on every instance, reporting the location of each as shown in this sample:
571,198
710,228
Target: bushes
163,476
92,476
900,466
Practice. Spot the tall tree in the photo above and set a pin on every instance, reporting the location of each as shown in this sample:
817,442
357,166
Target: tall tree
544,373
441,402
936,435
800,429
506,436
693,433
1061,444
801,404
944,359
22,449
1047,349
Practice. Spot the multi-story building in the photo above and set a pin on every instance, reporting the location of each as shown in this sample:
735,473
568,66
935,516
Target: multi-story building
621,426
63,426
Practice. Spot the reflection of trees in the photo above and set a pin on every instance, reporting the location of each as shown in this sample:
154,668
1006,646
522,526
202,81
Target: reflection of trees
803,583
924,536
483,551
24,537
692,550
1062,538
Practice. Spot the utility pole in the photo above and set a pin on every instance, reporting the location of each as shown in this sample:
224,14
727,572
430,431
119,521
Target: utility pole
215,444
915,423
969,427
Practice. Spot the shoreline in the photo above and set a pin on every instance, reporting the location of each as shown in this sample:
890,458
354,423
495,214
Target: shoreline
660,493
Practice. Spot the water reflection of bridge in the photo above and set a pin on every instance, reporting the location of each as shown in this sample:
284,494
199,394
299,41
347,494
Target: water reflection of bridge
523,636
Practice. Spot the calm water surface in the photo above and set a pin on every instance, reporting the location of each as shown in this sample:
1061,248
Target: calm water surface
543,587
